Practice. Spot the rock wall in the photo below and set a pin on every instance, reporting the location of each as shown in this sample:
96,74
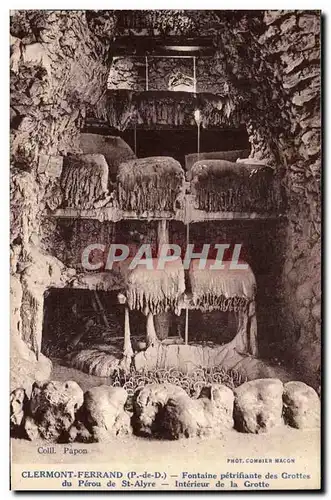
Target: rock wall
272,62
127,73
291,50
70,237
59,64
157,23
293,38
270,67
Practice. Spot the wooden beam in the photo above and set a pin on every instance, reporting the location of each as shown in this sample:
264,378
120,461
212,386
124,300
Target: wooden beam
114,214
101,309
139,46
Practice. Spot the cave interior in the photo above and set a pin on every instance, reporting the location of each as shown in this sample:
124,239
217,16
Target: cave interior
159,90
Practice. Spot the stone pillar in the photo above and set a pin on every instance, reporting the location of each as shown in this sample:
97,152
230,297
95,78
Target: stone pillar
127,334
151,337
162,321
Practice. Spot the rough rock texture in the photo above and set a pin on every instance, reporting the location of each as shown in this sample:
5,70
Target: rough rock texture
284,125
70,237
223,289
150,184
147,403
38,271
84,180
129,73
114,149
59,66
52,409
208,415
221,185
79,433
184,417
222,399
171,74
154,290
46,45
166,22
60,412
294,41
103,412
270,63
258,405
301,406
26,365
25,368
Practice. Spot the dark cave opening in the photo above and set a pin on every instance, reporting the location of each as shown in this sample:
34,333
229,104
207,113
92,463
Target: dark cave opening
263,249
178,142
76,319
214,327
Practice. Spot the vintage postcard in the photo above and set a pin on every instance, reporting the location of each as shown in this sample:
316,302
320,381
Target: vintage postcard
165,250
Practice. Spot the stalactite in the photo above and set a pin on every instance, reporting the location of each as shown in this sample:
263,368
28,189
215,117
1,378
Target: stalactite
211,302
220,185
84,180
149,184
156,290
124,108
224,289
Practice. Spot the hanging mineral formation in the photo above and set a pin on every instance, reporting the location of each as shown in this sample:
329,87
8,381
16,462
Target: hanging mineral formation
220,185
84,180
150,184
123,109
156,290
223,289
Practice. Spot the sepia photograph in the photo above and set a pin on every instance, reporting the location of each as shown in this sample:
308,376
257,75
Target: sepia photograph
165,250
